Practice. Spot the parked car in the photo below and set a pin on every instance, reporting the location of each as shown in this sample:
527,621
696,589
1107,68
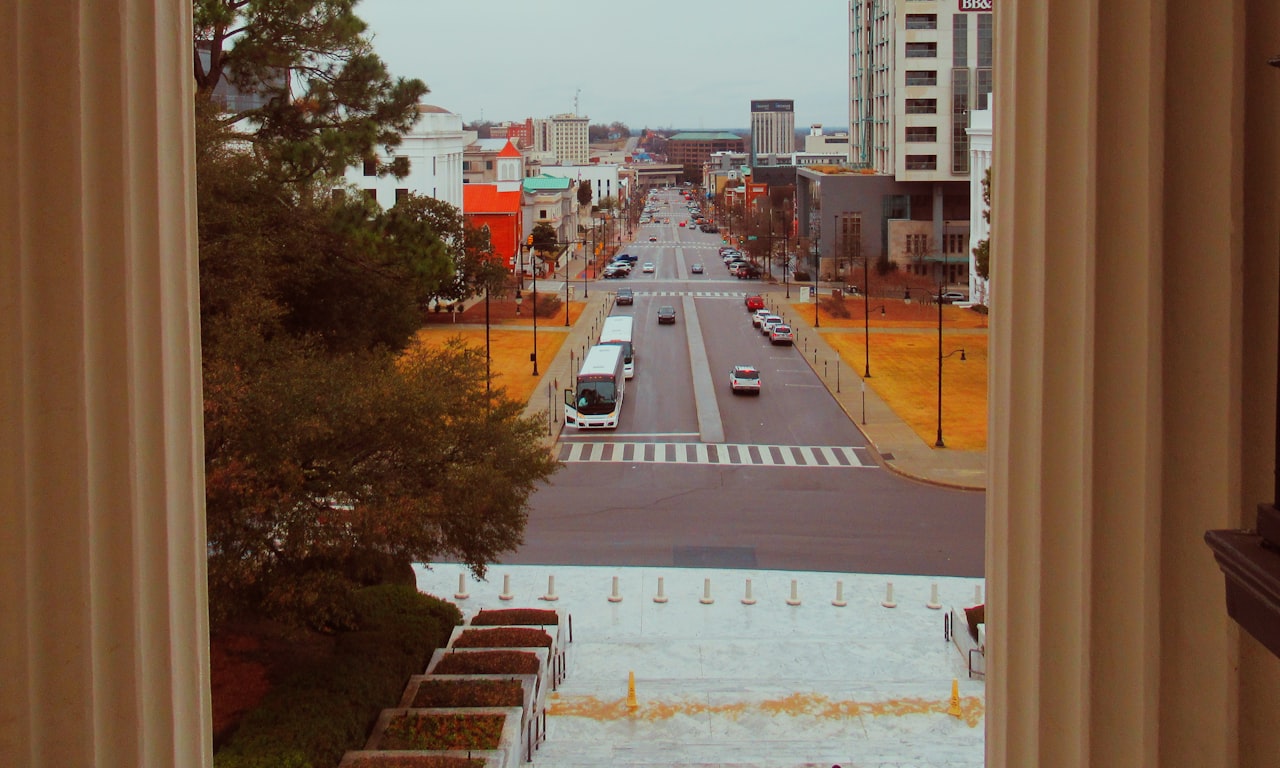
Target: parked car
625,257
653,239
950,297
768,322
666,314
781,334
754,302
696,269
748,272
744,378
626,296
759,315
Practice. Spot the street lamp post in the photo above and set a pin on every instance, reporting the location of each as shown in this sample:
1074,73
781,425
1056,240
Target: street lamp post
866,327
817,256
938,443
567,259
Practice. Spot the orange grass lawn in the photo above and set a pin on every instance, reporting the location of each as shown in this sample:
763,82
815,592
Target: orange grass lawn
509,350
849,312
904,373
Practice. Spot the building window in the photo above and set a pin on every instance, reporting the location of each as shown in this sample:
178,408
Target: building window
960,40
960,121
984,40
922,133
542,214
466,165
922,162
922,77
402,194
371,194
922,21
371,166
922,106
922,50
488,165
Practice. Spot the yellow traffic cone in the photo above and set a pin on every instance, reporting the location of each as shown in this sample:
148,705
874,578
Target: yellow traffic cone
631,691
954,710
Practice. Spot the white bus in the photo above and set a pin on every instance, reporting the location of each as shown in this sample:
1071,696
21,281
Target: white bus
617,330
595,402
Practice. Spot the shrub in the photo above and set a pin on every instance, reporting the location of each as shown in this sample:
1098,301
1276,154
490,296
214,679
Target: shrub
327,706
547,305
516,616
835,306
488,663
468,693
443,732
503,638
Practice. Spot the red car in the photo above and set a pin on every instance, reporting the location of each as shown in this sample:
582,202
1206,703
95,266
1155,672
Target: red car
754,303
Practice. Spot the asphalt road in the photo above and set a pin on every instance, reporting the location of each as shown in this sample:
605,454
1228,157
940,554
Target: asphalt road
763,510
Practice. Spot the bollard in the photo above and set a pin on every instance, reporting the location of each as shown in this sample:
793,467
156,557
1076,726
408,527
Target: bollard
837,377
551,590
815,353
660,597
977,594
615,597
954,710
795,594
748,599
506,588
461,594
888,597
839,602
933,603
706,592
825,372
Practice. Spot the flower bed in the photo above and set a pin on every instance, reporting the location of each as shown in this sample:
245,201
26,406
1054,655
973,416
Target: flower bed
468,693
503,637
375,760
487,663
443,731
518,616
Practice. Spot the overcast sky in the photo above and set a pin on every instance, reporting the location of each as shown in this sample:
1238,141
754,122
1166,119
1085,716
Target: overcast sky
692,64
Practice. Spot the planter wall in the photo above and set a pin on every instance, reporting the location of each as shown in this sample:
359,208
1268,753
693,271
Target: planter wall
555,661
533,723
407,758
510,749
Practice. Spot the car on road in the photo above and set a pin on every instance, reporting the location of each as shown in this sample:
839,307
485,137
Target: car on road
734,265
682,223
754,302
625,266
625,257
666,314
759,315
653,239
626,296
696,269
648,266
613,272
767,323
950,297
747,272
744,378
781,334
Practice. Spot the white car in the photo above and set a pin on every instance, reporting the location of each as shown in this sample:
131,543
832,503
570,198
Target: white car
648,266
768,322
781,334
744,378
759,315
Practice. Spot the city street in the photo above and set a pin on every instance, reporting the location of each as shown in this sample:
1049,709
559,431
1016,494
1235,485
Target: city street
698,476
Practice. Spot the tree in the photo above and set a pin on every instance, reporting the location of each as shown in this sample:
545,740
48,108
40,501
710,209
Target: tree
584,192
332,456
320,99
982,251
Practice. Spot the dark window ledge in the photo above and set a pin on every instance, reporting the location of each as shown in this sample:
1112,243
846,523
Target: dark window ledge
1252,572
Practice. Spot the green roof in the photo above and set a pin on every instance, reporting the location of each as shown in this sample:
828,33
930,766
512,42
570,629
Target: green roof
545,182
706,136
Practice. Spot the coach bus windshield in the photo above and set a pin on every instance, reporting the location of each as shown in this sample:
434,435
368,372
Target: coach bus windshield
596,397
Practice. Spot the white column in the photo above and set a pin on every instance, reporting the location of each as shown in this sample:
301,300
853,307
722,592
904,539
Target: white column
1133,349
104,636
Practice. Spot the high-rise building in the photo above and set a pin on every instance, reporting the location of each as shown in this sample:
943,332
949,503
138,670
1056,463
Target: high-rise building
915,71
773,127
565,136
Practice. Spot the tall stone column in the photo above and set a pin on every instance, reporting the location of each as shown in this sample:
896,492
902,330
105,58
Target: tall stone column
1134,233
103,617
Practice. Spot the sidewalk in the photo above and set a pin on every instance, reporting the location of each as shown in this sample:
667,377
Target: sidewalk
895,444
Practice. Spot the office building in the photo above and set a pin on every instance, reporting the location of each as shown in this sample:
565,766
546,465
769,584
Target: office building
773,127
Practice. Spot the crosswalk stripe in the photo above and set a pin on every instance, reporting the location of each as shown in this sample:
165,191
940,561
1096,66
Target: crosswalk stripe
696,294
718,454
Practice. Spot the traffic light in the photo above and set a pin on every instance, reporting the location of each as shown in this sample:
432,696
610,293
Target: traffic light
529,242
